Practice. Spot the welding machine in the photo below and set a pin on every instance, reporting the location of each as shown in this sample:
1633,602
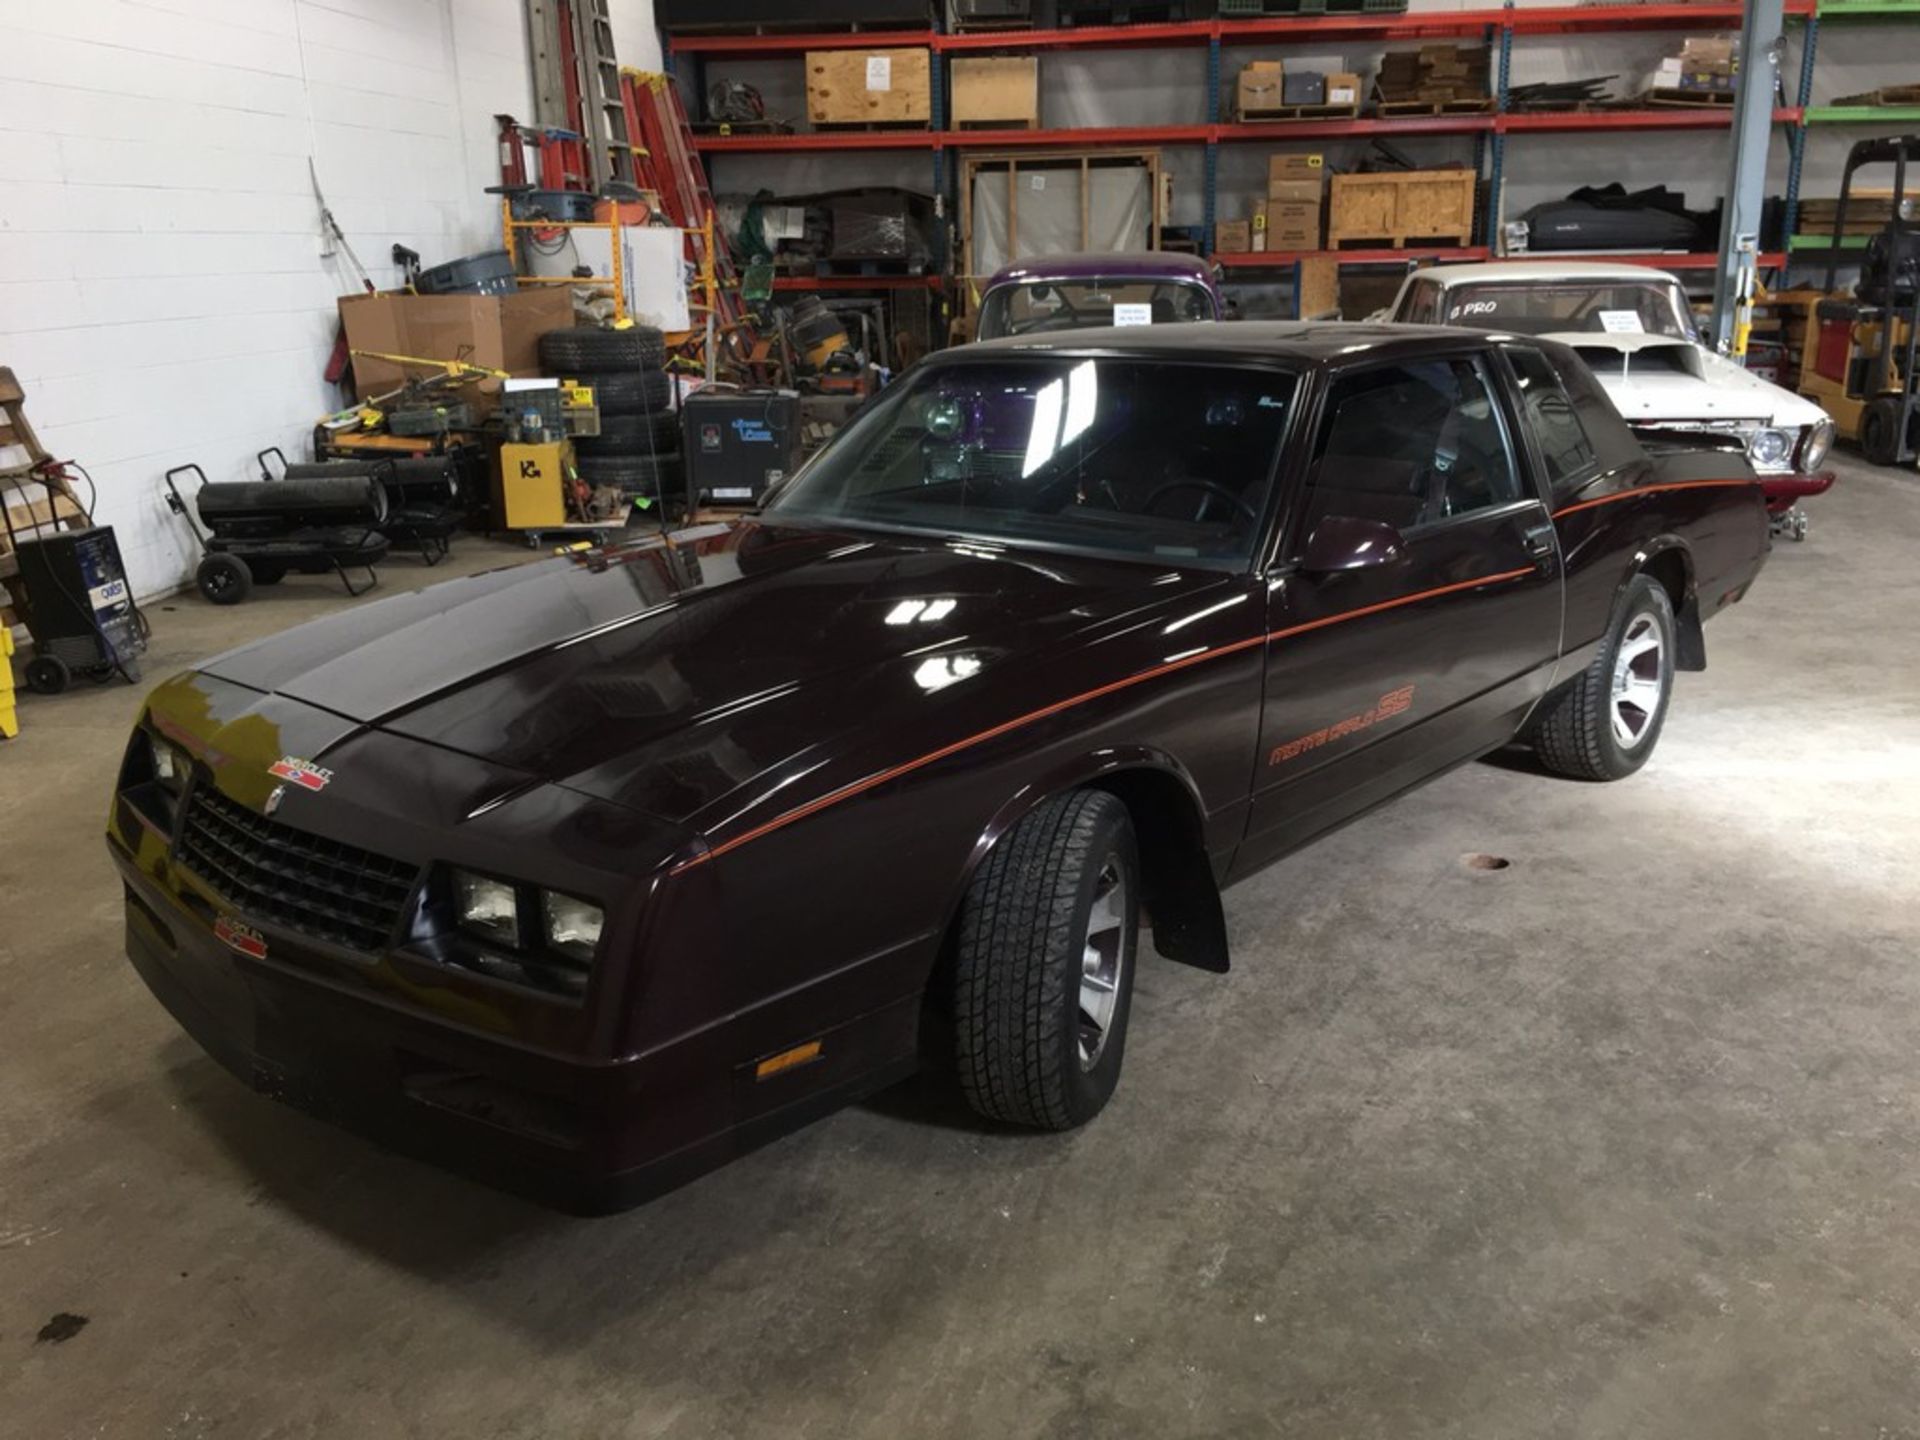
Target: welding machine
736,443
79,608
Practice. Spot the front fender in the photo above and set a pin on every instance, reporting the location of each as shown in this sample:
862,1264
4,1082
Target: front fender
1182,895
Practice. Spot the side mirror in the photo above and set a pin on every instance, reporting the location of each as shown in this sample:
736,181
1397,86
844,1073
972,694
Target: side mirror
1345,542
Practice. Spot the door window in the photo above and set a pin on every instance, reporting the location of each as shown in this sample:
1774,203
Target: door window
1555,423
1411,445
1423,304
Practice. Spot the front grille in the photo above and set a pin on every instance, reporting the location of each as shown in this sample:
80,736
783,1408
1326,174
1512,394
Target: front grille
269,871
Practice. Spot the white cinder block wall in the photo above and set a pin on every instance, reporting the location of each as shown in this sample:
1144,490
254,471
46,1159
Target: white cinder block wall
163,295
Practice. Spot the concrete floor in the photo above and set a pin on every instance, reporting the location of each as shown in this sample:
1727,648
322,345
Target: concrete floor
1618,1141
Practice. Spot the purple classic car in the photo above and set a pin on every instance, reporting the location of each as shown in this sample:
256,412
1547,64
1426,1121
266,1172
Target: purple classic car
1120,287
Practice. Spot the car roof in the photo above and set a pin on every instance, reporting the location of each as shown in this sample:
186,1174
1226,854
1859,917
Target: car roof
1317,342
1543,269
1104,264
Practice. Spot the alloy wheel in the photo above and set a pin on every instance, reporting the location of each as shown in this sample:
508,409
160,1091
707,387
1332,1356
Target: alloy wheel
1103,956
1639,680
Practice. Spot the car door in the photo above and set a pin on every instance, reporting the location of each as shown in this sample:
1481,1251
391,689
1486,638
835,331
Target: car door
1393,653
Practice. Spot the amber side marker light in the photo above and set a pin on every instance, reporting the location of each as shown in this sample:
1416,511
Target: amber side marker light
787,1059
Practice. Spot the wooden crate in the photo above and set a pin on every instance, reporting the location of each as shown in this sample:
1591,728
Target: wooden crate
869,87
1396,208
997,90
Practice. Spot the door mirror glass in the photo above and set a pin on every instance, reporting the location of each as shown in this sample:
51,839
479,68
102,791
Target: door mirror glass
1345,542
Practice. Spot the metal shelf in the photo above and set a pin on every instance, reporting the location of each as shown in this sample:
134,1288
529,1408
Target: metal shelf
1281,132
795,44
1285,29
1281,259
1673,117
858,282
1868,9
1862,114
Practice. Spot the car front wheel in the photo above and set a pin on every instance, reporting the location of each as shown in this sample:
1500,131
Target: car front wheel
1605,722
1044,964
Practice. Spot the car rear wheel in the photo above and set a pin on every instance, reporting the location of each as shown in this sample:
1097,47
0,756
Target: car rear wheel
1044,964
1604,723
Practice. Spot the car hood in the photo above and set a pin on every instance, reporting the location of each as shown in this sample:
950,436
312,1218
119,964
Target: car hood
672,674
1668,379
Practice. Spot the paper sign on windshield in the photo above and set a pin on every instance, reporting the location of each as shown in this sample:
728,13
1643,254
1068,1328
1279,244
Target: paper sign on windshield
1133,314
1621,322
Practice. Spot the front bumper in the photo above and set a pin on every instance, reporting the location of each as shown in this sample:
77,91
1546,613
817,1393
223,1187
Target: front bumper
588,1136
1783,492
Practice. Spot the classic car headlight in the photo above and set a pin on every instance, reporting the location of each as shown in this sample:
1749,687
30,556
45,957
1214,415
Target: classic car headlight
170,767
487,908
1770,448
572,926
528,935
1815,444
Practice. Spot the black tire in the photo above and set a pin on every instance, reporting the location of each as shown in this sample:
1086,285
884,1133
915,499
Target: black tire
633,435
636,474
588,347
224,579
48,675
267,572
637,392
1574,732
1880,431
1019,1026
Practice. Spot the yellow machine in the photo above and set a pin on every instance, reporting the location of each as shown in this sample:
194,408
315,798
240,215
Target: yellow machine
533,484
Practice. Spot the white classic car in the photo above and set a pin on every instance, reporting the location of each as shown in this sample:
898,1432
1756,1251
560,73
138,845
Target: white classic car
1633,328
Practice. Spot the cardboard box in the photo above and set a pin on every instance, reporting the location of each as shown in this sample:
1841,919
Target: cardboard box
1708,49
1303,87
1343,88
1291,225
1233,237
501,332
854,87
1262,87
1297,192
1296,165
996,89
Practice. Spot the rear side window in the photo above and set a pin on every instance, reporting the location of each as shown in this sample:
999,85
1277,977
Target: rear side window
1564,442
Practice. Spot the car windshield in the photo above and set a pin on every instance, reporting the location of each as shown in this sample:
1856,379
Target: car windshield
1544,307
1129,456
1068,304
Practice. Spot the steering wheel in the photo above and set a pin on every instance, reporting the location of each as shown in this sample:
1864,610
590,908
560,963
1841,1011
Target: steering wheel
1210,489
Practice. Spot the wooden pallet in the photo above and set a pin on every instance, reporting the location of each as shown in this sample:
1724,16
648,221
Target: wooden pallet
1688,99
1280,114
1398,242
1885,95
1387,109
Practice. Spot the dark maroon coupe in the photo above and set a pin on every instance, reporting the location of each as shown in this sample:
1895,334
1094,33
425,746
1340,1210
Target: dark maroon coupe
591,874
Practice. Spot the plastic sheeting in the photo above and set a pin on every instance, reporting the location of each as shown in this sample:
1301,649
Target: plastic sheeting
1044,206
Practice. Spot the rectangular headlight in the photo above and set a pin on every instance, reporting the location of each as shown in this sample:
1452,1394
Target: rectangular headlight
572,926
169,765
487,908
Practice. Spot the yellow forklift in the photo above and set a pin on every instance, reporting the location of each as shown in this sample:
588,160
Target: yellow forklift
1857,352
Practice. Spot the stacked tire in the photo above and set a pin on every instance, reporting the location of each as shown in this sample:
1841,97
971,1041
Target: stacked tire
638,447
